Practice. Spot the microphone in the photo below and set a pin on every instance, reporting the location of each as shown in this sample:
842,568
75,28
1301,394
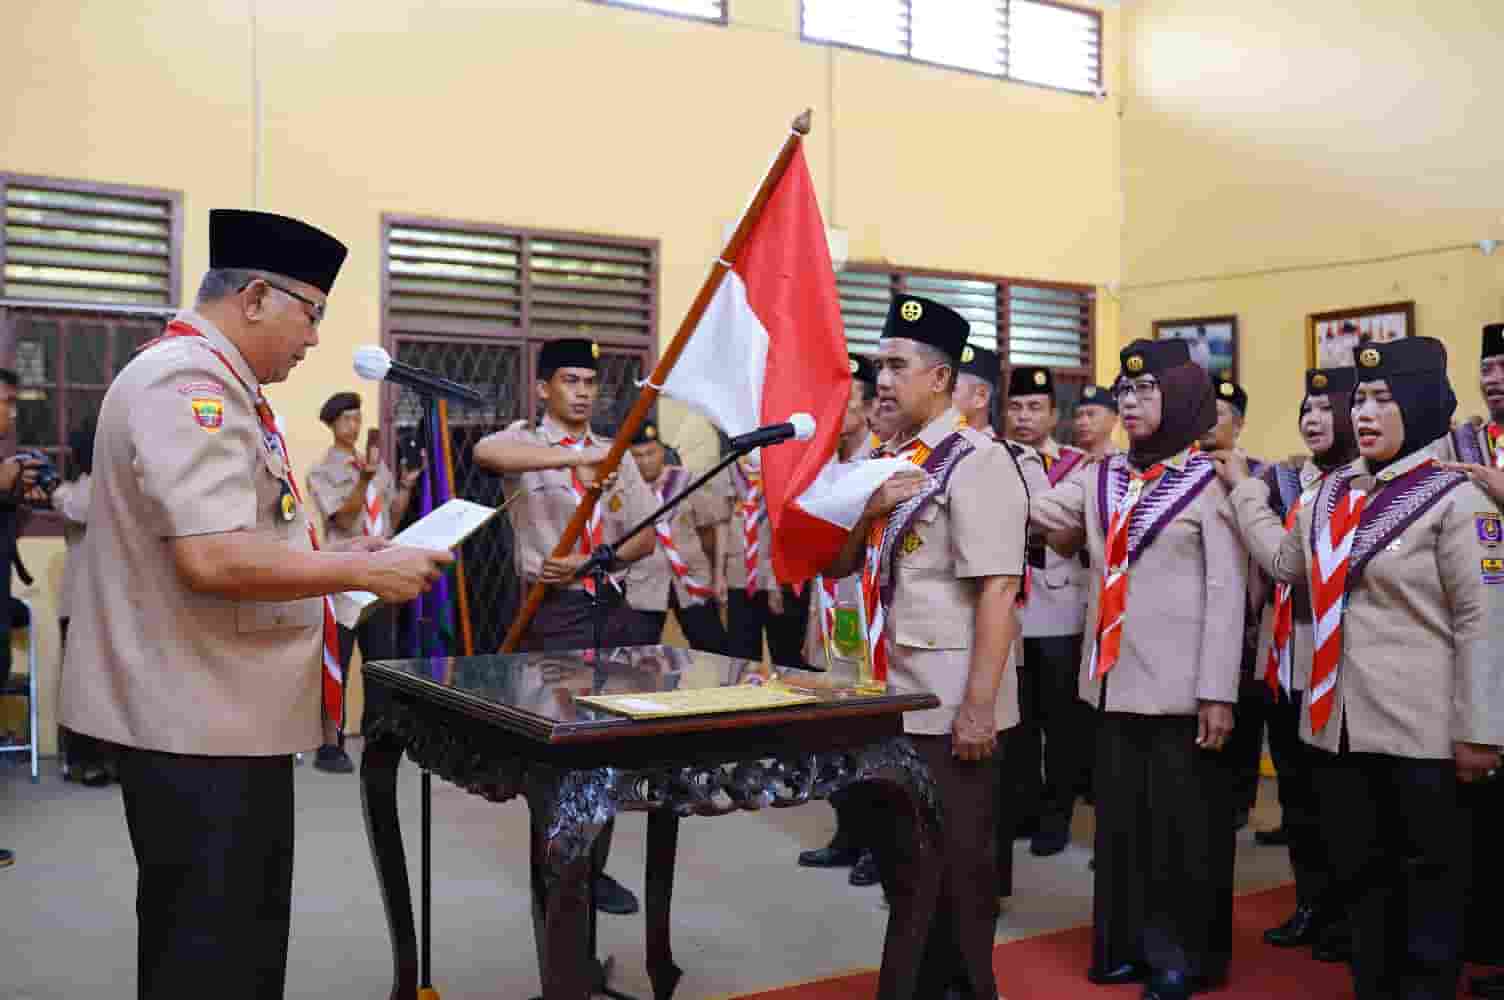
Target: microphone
374,363
799,426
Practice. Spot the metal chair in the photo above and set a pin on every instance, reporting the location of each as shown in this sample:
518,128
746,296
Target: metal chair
25,686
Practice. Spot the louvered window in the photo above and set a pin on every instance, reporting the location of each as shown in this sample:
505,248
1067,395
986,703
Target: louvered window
1031,41
699,10
76,242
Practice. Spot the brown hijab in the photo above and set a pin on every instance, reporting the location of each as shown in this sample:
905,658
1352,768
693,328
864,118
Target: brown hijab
1188,403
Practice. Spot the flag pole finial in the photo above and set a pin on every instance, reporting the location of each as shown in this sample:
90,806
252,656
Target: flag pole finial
802,123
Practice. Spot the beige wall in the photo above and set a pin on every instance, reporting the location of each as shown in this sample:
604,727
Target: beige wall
1284,159
550,114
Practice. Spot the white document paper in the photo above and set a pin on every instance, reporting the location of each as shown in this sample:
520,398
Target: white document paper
445,527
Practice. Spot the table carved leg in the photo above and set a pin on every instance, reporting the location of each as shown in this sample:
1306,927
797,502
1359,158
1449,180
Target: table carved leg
663,846
378,796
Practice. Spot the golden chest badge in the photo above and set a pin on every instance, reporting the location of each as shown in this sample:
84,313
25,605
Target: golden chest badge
910,543
1490,529
287,503
210,413
615,504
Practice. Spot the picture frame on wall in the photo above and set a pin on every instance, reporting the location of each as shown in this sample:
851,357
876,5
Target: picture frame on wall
1213,341
1331,336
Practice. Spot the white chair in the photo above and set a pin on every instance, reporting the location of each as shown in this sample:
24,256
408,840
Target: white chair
25,685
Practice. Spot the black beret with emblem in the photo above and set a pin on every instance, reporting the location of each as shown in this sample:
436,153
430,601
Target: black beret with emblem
863,370
261,241
1026,380
1406,356
568,352
1096,395
981,362
647,433
1493,340
1150,357
1230,392
913,318
1321,381
337,404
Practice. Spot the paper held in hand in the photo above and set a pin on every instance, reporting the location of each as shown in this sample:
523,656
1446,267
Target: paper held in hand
445,527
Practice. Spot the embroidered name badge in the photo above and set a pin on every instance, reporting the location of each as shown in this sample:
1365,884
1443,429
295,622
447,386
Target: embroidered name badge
1490,529
210,413
201,389
1493,571
910,544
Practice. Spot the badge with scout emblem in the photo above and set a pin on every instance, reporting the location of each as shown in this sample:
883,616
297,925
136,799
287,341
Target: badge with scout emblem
210,413
287,504
911,543
1490,529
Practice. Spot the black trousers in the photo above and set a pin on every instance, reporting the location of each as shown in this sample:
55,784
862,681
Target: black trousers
1483,807
701,624
213,838
1245,747
1042,757
1300,809
377,636
79,750
1400,842
1164,873
749,618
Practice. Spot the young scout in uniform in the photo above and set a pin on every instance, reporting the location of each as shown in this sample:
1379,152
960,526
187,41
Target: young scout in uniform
1407,586
549,467
1167,597
1095,420
355,497
756,604
1283,663
1053,619
678,574
942,553
195,641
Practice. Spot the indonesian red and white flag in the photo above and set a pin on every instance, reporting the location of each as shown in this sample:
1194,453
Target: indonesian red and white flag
771,344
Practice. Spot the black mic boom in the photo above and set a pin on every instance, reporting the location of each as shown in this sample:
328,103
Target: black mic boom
375,363
800,426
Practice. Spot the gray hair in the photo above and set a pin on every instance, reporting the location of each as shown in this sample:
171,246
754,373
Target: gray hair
224,281
933,356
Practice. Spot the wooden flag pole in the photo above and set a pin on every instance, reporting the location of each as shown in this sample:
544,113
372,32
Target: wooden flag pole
666,362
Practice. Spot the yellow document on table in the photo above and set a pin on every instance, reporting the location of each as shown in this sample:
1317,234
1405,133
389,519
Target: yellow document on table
697,701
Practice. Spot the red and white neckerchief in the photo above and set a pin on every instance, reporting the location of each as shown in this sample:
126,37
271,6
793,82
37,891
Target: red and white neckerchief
1329,564
698,592
1113,603
1495,435
918,453
1279,670
753,514
594,534
333,672
373,512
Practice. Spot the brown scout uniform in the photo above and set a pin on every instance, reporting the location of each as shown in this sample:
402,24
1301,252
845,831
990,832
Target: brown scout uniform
151,664
72,501
329,486
650,578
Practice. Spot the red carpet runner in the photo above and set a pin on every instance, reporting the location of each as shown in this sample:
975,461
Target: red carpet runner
1053,966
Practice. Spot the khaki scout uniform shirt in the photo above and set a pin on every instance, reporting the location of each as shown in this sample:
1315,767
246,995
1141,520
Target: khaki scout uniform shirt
1182,640
330,483
1420,669
649,579
734,560
547,501
1057,593
974,529
1263,545
151,664
72,501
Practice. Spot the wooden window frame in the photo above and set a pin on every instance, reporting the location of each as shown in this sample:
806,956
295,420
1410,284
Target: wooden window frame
721,21
1101,81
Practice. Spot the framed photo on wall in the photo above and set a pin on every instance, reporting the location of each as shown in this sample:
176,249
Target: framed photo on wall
1213,341
1331,336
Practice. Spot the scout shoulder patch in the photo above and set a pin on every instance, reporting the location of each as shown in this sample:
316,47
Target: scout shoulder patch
1490,529
911,543
1493,571
209,412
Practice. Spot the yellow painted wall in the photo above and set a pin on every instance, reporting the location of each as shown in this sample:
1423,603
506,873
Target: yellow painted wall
557,114
1285,159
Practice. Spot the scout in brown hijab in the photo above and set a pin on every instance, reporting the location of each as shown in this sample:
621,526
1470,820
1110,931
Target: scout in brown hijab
1164,625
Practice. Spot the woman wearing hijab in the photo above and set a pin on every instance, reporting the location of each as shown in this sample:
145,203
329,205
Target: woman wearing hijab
1406,578
1284,653
1160,665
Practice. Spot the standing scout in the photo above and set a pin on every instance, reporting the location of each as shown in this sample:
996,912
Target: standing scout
549,468
356,497
678,574
1053,620
1479,441
1166,606
756,604
942,552
1406,570
196,635
1095,420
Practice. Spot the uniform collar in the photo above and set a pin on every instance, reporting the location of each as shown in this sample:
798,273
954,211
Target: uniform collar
931,434
222,344
553,432
1309,473
1394,470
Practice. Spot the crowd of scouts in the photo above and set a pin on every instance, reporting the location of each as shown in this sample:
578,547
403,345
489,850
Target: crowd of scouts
1123,625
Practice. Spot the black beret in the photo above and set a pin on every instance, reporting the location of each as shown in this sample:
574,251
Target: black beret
1027,380
863,370
568,352
337,404
1406,356
1096,395
1230,392
981,362
647,433
1148,357
262,241
1493,340
913,318
1321,381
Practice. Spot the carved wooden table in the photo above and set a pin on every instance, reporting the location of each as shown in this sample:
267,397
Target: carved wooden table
507,725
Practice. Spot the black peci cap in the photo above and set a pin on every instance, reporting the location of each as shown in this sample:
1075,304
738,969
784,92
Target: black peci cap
1149,357
568,352
981,362
1493,340
1321,381
647,434
340,402
1026,380
1096,395
262,241
913,318
1406,356
862,369
1230,392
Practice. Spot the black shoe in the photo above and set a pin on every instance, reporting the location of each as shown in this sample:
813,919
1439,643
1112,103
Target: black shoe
1272,838
1334,945
865,871
1303,927
1128,972
613,897
7,858
333,760
1047,844
1486,986
1026,829
93,776
1169,985
830,856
